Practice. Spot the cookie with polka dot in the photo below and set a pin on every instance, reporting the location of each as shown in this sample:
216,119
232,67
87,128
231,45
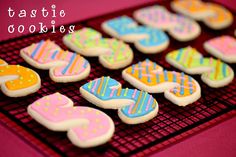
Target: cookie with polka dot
17,81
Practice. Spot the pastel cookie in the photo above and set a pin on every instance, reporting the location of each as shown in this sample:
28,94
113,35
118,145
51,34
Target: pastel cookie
181,28
133,106
179,88
145,39
63,66
17,81
112,53
214,72
213,15
223,47
85,126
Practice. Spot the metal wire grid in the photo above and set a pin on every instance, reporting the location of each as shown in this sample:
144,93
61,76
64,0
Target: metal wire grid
128,139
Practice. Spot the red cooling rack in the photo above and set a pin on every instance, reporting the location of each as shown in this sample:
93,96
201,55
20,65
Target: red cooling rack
172,123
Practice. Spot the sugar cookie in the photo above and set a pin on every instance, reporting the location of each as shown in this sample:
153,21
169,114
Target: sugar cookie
223,47
181,28
213,15
112,53
133,106
179,88
17,81
63,66
145,39
85,126
214,73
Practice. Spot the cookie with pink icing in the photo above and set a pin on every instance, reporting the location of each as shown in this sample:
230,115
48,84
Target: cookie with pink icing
17,81
85,126
181,28
63,66
112,53
223,47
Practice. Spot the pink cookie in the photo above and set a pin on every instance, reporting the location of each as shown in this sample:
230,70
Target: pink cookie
223,47
85,126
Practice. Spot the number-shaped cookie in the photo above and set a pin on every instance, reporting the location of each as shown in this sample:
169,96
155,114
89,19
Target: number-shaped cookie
112,53
213,15
64,66
133,106
214,72
85,126
145,39
223,47
17,81
181,28
179,88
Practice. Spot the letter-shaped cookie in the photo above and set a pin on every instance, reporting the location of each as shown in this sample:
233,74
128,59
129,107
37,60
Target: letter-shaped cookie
112,53
85,126
214,73
133,106
17,81
63,66
145,39
213,15
181,28
223,47
179,88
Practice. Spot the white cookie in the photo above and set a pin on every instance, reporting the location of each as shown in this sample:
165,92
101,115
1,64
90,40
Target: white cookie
112,53
85,126
133,106
17,81
63,66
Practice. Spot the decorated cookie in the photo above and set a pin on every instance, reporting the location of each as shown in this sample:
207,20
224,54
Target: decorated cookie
214,72
145,39
64,66
85,126
181,28
133,106
213,15
179,88
112,53
17,81
223,47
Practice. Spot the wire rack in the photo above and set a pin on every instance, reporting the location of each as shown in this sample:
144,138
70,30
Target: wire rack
130,140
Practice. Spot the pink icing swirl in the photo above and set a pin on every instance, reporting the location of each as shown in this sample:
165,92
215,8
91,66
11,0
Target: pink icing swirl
57,112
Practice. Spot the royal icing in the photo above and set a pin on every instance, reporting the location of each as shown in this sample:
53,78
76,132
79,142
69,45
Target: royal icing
131,102
18,80
223,47
48,55
85,125
158,17
151,77
127,29
213,15
191,61
89,42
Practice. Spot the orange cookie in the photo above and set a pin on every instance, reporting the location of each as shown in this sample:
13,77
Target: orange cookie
16,80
